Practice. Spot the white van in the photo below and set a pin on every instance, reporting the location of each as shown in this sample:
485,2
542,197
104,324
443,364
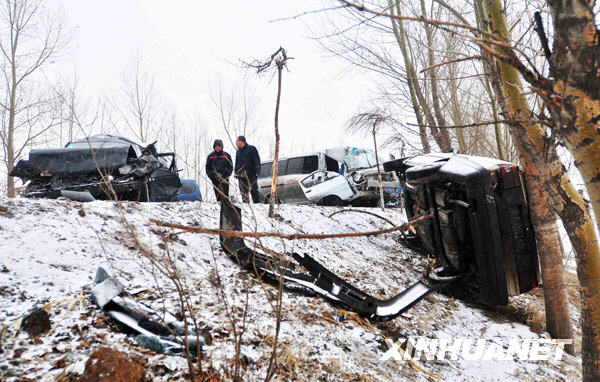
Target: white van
334,177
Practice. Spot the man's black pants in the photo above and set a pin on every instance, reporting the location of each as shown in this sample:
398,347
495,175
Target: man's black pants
221,189
249,185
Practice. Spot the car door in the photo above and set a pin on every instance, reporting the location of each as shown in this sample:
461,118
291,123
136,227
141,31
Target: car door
298,169
321,184
292,192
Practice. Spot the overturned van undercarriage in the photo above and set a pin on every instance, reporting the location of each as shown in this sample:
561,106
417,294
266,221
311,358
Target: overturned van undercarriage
318,279
100,167
480,228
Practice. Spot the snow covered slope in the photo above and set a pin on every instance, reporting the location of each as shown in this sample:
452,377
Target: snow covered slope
50,250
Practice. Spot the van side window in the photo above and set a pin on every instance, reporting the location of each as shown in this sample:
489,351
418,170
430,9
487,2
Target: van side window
295,165
266,170
331,164
282,167
311,164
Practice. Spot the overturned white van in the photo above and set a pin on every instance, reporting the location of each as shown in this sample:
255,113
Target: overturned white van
339,176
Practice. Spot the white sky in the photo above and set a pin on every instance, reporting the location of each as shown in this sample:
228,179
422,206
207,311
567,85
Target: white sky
188,45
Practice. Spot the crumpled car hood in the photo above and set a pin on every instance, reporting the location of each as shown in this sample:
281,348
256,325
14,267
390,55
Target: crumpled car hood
72,161
100,167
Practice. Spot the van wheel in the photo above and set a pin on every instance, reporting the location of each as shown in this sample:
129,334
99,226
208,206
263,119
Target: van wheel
268,199
331,200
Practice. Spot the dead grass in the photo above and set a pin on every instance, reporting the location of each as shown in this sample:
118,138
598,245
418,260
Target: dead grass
535,317
289,364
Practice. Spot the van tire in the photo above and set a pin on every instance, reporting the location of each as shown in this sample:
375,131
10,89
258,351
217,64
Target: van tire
267,200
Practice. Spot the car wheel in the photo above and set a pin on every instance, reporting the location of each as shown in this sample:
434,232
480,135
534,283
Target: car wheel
331,200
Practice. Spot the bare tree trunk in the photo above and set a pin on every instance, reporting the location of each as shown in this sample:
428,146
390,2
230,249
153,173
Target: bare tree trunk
10,149
497,130
444,135
489,75
576,112
22,55
551,257
400,35
456,111
435,132
276,157
381,199
278,60
544,169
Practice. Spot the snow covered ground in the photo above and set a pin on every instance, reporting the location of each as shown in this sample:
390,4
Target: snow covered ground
50,250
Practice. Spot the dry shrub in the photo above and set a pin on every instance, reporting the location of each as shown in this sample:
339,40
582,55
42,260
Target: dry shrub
535,318
289,364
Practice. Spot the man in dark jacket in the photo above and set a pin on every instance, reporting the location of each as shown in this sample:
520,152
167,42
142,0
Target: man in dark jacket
247,168
218,169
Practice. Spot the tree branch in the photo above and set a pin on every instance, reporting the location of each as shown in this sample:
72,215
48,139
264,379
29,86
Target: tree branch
294,236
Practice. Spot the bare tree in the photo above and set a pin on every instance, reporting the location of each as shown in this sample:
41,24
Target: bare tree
278,60
72,109
400,35
444,135
30,37
235,108
572,99
371,121
513,102
140,111
411,63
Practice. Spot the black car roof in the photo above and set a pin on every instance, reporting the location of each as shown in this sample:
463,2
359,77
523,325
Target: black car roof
106,138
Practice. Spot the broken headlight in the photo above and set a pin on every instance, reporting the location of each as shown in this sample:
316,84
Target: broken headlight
358,177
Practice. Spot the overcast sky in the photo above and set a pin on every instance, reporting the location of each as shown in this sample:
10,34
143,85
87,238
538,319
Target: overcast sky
188,46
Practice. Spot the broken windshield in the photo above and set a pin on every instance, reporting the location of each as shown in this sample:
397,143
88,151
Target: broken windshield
358,159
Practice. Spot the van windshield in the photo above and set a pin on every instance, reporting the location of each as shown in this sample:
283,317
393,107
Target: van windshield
358,159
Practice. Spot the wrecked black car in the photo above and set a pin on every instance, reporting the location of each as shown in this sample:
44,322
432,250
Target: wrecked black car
479,226
101,167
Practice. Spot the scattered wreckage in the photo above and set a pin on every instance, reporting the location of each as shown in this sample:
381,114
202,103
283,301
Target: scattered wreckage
101,167
477,226
481,225
318,279
160,332
479,230
319,178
